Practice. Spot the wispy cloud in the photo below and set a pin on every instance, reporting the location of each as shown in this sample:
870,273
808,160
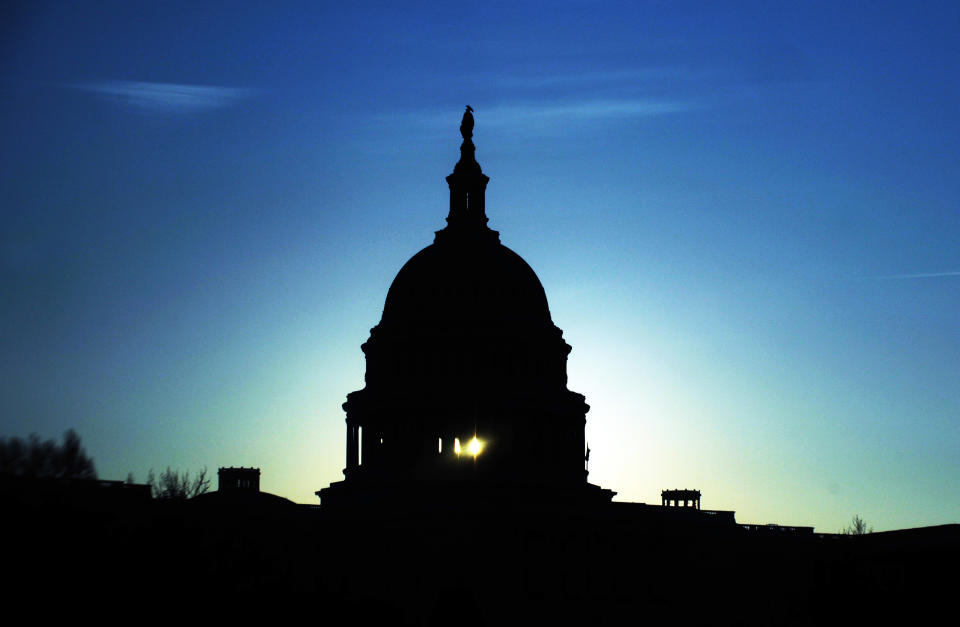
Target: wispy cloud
631,76
589,110
166,97
538,118
917,275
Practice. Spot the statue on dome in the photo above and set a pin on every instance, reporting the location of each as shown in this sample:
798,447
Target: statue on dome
466,126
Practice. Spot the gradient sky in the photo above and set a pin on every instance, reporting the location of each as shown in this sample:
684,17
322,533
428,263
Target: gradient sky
746,217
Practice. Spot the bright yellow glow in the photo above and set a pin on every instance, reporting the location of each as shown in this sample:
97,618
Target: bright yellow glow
475,446
456,445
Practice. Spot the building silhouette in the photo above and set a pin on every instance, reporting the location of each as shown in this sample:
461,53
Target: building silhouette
680,498
241,478
466,381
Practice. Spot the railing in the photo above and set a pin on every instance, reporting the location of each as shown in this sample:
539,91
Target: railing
772,528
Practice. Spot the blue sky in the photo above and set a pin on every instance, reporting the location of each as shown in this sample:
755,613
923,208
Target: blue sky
745,217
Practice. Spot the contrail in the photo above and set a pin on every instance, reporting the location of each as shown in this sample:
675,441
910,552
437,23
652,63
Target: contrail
918,275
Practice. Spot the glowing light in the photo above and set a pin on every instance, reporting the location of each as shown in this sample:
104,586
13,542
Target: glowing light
475,446
456,445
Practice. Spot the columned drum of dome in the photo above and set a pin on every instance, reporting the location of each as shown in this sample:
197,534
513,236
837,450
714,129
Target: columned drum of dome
466,382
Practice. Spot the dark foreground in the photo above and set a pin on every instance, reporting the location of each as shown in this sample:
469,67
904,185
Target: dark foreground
104,552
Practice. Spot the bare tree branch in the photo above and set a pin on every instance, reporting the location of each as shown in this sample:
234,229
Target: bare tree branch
857,527
173,486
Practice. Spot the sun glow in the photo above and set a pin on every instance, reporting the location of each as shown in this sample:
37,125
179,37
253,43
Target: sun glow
475,446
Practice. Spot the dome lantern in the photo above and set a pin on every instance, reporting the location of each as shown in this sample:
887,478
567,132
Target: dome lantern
468,183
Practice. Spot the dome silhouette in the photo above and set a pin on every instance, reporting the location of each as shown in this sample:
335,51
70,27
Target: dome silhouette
466,378
476,282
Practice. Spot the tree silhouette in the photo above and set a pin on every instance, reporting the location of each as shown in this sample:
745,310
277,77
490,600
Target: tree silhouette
857,527
173,486
45,458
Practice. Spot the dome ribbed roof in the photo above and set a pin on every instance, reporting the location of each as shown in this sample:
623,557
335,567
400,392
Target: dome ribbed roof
476,281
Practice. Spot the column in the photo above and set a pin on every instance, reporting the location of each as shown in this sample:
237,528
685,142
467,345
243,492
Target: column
351,446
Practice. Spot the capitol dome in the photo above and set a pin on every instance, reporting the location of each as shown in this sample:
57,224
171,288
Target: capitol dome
473,280
466,378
